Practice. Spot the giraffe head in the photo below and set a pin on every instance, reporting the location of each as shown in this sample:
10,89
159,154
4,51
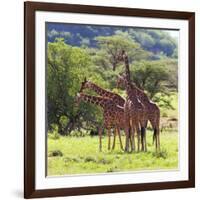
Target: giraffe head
85,84
120,55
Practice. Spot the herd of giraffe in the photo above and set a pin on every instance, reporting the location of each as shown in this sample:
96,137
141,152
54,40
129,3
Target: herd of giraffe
131,114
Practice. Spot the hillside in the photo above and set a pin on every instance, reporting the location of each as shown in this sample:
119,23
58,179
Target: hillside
153,40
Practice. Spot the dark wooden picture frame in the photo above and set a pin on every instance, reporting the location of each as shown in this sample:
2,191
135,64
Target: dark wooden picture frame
30,9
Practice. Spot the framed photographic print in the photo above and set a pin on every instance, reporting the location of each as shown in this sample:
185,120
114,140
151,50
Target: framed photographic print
109,99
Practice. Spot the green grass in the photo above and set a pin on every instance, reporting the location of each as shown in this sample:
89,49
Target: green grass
80,155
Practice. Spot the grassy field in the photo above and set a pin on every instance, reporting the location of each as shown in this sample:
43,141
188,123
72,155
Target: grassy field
80,155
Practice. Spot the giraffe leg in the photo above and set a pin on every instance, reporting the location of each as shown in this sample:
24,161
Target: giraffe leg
133,136
127,125
158,138
158,127
142,138
145,140
120,140
100,139
127,139
146,123
115,133
142,126
155,133
109,138
138,135
130,138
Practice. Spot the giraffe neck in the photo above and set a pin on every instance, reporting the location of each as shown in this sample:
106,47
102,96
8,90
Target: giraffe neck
99,90
127,69
142,96
134,93
131,91
105,93
100,101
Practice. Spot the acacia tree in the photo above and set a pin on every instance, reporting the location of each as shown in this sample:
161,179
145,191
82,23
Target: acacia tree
111,46
155,76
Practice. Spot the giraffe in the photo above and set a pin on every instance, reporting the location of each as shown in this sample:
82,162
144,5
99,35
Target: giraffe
136,110
153,114
152,111
117,99
113,115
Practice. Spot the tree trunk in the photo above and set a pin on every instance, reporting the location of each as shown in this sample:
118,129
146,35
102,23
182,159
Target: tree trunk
70,126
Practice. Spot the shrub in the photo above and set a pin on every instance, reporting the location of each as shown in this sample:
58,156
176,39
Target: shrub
63,121
112,169
93,132
71,159
53,133
161,154
164,114
104,161
90,159
79,133
55,153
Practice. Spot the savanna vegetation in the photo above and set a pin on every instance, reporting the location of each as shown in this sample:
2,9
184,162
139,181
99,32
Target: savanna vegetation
75,52
80,155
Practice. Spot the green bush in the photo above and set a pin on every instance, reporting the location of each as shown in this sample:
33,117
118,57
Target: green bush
55,153
90,159
71,159
112,169
53,133
161,154
80,133
104,161
164,114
